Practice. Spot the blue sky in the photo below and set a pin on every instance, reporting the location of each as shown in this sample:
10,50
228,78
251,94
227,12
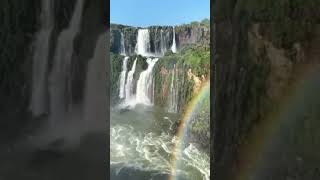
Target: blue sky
158,12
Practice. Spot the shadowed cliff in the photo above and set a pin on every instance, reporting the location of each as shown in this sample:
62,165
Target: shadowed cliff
267,59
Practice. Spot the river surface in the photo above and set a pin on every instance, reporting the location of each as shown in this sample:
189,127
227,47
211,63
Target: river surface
142,143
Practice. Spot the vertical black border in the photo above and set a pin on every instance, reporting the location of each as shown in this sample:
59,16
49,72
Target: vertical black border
107,22
212,86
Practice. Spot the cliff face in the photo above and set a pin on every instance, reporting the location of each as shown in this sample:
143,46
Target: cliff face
20,22
264,51
161,37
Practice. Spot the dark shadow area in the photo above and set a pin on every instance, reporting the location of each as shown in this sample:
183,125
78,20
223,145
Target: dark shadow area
267,105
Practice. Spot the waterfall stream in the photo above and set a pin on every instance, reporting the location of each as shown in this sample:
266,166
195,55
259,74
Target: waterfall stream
40,60
60,77
174,47
123,48
173,93
123,78
143,42
94,103
145,84
129,83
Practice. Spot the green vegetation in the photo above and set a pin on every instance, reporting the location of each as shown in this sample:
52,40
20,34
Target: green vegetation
116,64
196,58
201,123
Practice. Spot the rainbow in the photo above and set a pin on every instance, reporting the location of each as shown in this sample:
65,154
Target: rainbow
297,95
182,129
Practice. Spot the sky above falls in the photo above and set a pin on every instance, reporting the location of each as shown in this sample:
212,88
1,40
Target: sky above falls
144,13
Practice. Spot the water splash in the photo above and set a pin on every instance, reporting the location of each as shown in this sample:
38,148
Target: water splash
152,152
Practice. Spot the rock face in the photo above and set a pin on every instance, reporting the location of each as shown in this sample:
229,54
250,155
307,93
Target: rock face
20,22
261,59
185,35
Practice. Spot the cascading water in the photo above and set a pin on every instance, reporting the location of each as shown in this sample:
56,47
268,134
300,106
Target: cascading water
174,47
142,137
173,94
94,103
123,48
129,84
60,80
40,61
123,78
163,43
143,42
145,84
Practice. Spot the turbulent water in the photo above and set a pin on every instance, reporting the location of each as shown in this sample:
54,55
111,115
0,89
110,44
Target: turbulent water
142,145
123,78
40,60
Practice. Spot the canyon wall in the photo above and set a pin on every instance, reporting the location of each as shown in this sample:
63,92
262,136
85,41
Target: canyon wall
266,52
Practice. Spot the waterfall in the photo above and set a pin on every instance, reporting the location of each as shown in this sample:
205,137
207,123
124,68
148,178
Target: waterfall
173,105
40,61
145,84
163,43
174,47
123,48
143,42
123,78
60,76
129,85
95,89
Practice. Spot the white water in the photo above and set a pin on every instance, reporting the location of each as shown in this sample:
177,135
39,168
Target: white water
60,76
143,42
174,47
173,94
123,78
144,93
40,61
123,48
152,152
129,85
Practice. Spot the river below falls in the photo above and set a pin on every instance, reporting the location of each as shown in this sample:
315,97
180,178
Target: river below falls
142,143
